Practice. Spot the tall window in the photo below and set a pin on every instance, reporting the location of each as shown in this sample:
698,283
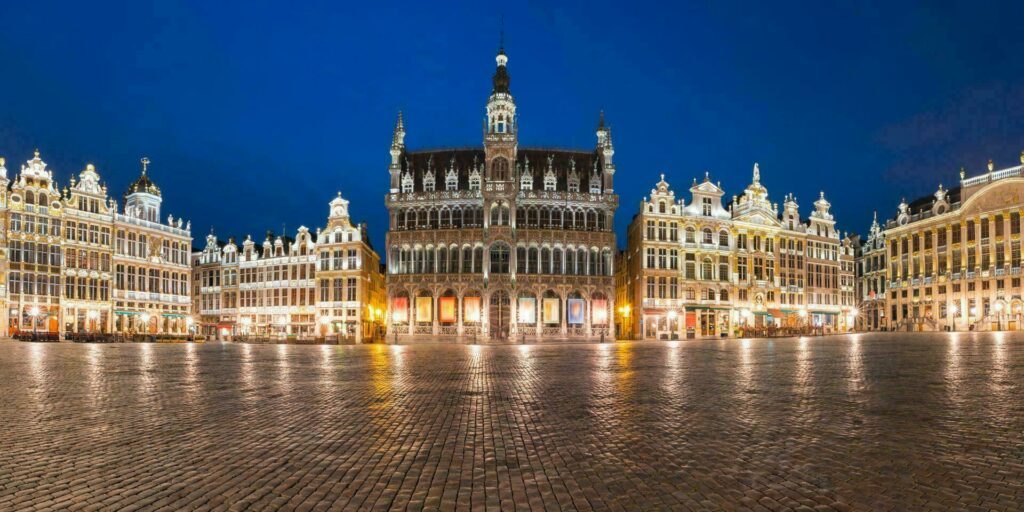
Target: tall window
499,258
499,169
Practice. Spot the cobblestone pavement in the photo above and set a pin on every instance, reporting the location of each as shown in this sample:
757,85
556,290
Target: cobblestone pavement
861,422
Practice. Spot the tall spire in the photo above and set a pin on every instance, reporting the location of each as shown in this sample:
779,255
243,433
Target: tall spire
398,139
501,78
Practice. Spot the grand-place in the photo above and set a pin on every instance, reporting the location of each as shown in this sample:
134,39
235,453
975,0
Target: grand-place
506,243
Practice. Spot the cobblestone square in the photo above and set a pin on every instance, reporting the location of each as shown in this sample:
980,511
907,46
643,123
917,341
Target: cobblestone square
857,422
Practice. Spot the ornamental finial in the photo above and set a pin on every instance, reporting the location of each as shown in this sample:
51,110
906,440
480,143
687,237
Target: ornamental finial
145,164
991,166
37,152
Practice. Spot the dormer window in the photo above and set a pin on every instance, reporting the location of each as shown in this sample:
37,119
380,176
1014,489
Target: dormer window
406,183
705,206
574,183
474,181
550,182
428,182
451,181
526,181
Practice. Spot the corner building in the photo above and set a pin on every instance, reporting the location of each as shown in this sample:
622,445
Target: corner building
503,241
955,256
75,265
701,269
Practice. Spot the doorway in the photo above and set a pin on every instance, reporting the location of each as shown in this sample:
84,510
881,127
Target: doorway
499,315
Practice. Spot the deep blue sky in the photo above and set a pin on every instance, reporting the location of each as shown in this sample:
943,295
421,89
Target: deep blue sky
254,114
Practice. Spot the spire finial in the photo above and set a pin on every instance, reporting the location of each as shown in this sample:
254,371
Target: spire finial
991,165
37,152
501,35
145,164
600,126
757,173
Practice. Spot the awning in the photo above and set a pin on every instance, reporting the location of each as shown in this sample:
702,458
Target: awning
127,313
174,315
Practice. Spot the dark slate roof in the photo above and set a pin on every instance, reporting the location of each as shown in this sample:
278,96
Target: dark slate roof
464,158
924,203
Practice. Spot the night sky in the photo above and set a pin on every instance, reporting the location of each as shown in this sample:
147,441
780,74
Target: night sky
255,114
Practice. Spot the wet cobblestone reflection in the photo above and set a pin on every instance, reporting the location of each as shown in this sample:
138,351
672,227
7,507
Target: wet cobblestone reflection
859,422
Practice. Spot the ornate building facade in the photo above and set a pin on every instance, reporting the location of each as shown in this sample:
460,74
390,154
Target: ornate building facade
326,286
698,269
871,280
500,241
954,257
74,264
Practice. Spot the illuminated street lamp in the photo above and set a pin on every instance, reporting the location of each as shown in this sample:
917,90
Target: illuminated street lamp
672,320
34,313
999,316
803,319
145,317
953,311
624,311
92,315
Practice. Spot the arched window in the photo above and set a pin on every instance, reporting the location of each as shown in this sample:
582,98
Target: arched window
707,269
478,259
707,237
661,206
499,169
556,261
690,235
499,258
723,238
532,261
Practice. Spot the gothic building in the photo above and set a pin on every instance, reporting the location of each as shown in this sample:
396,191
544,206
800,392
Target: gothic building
500,241
324,286
74,264
954,257
699,269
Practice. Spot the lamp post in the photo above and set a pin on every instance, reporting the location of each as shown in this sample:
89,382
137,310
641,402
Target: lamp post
145,322
974,313
803,320
672,320
92,315
853,317
34,314
953,311
999,316
624,311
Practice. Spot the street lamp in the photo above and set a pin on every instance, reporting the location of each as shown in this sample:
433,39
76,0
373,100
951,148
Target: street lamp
999,316
803,320
34,313
624,311
92,315
671,321
953,311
